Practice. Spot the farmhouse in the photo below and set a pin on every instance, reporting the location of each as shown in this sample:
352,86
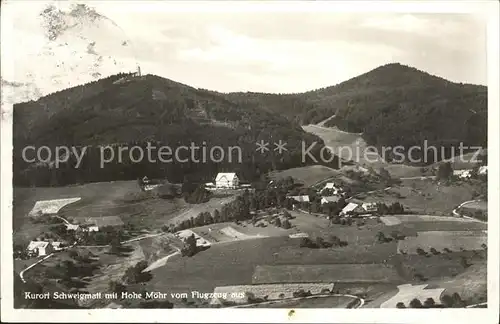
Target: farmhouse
57,246
350,209
331,186
72,227
100,222
329,199
464,174
40,248
227,180
369,207
483,170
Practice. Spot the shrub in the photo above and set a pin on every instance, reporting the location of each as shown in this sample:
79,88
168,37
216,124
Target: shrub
434,251
306,242
457,301
464,262
116,287
415,303
429,302
447,301
286,224
135,275
421,252
301,293
400,305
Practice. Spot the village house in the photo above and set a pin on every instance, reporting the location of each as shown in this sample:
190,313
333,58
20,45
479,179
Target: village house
72,227
483,170
329,199
40,248
96,223
333,188
58,246
463,174
370,207
227,180
300,199
90,228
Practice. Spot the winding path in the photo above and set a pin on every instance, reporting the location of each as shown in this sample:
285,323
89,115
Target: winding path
457,214
21,274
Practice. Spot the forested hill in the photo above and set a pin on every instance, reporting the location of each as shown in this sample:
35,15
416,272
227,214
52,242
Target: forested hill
129,110
391,105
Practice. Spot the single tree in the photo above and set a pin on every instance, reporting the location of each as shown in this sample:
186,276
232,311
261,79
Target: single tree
415,303
445,171
429,303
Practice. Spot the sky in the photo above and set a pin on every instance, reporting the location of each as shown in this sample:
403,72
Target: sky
286,52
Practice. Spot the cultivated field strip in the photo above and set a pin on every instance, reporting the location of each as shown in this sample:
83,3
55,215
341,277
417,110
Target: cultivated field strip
398,219
379,273
51,206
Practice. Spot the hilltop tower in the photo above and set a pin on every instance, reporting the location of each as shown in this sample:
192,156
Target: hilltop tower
138,70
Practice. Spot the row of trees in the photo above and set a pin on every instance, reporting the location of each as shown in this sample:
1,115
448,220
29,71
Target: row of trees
447,301
321,243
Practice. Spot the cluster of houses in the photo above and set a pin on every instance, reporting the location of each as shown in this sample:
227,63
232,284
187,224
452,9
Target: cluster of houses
335,194
46,247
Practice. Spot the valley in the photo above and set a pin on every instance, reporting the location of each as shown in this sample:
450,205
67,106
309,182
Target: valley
270,231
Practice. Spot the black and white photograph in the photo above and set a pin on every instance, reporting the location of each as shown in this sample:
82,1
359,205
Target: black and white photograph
301,158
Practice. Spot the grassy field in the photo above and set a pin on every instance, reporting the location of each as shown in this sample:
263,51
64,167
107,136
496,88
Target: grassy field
348,146
229,232
308,175
157,247
190,210
101,200
379,273
439,240
351,146
97,200
426,196
234,263
354,234
471,284
421,269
